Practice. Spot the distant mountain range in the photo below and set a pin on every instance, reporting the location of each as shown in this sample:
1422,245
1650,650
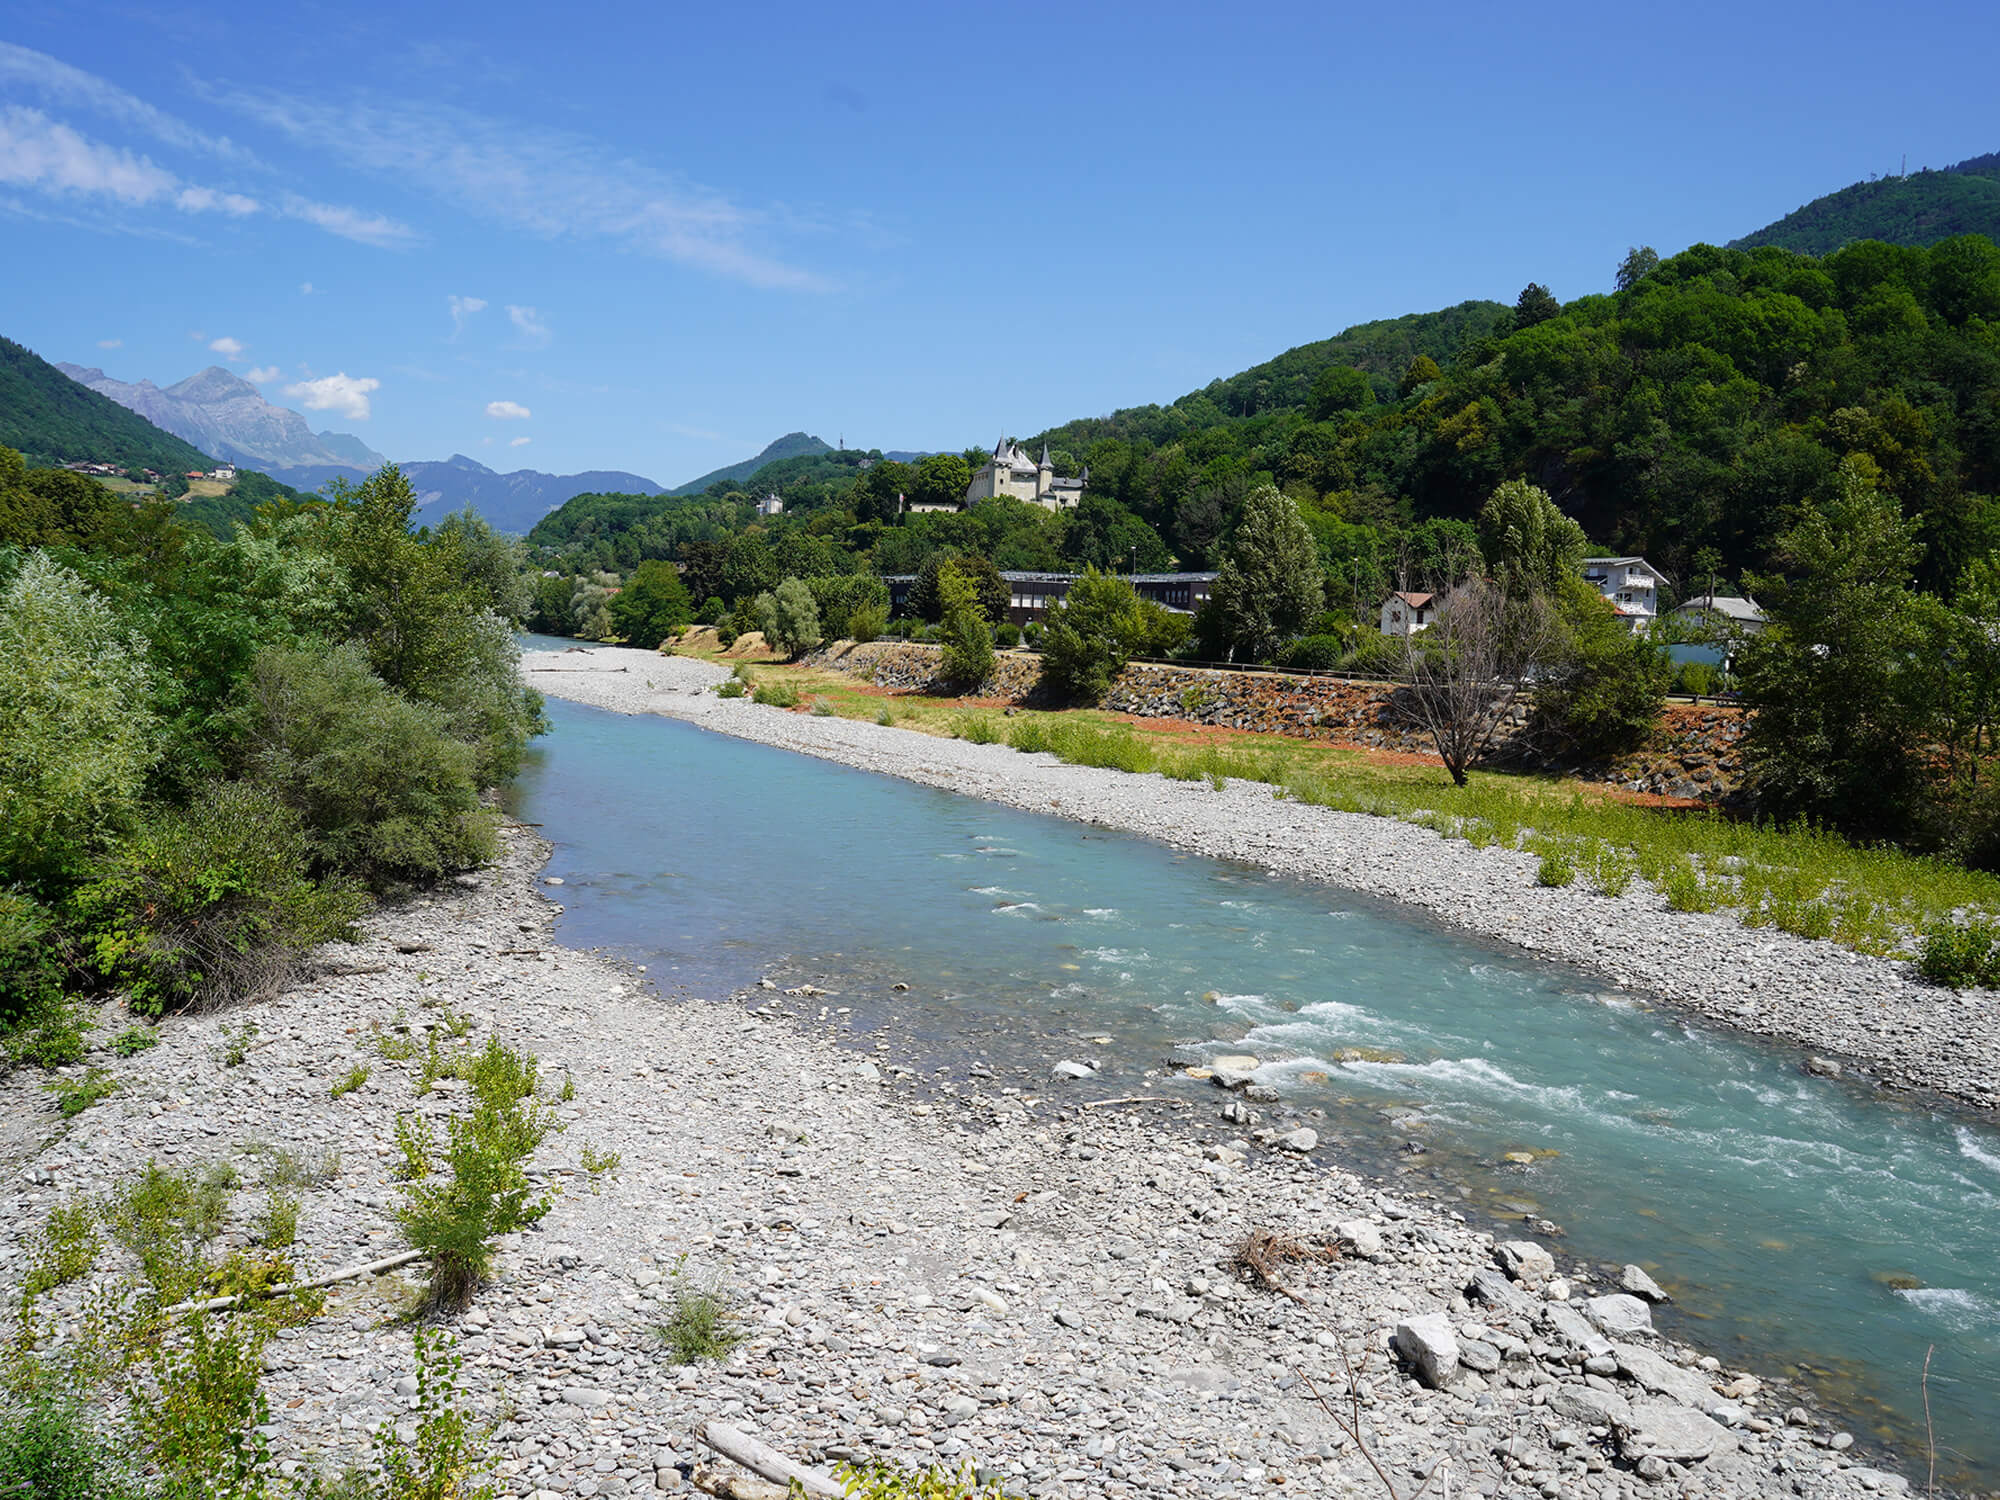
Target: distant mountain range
51,420
226,415
791,445
1919,209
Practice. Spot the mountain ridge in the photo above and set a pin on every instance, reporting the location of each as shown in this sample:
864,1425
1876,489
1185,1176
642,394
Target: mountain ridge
1917,210
221,413
52,419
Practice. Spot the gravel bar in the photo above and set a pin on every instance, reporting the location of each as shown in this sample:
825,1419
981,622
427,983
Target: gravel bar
1870,1016
971,1274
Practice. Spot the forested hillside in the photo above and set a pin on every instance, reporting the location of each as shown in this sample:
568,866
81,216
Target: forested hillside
1691,412
49,419
1917,209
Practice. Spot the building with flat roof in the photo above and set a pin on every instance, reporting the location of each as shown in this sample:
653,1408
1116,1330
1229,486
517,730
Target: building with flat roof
1030,596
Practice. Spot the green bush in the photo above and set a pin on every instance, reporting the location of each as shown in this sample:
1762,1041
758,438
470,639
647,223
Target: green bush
976,729
1006,636
211,902
1313,653
75,1095
51,1448
1558,867
725,637
1603,697
1963,955
79,731
385,791
454,1220
867,622
776,695
1695,678
38,1022
840,597
733,688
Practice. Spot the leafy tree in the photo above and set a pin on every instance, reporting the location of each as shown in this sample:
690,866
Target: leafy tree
1089,636
1203,520
79,737
838,600
1536,304
1607,683
1340,388
750,569
1417,374
652,604
1640,262
926,597
1530,545
941,479
966,637
794,627
1839,729
1103,534
1270,585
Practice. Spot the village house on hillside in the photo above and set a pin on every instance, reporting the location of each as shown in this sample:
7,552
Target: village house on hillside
1406,614
770,505
1011,474
1631,584
1727,613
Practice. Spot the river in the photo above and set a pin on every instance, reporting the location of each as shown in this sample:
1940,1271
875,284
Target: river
1806,1226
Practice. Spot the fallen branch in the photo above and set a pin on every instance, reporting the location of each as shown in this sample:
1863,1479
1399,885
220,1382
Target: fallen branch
351,1273
348,971
765,1461
1134,1099
582,671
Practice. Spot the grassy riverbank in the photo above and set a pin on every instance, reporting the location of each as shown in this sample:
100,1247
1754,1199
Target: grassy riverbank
1798,879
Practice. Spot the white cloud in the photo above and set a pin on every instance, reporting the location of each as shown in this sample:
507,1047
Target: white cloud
461,309
54,157
528,323
24,69
350,223
111,343
521,442
341,394
36,151
551,182
507,411
305,288
195,200
261,375
228,348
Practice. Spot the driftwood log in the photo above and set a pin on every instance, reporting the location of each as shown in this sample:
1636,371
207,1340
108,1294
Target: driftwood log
765,1461
351,1273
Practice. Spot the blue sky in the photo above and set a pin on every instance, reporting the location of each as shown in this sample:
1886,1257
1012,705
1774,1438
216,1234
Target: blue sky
653,238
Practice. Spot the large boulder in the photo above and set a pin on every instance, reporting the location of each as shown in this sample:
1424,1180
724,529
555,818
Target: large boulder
1670,1431
1429,1346
1655,1373
1590,1406
1525,1261
1619,1315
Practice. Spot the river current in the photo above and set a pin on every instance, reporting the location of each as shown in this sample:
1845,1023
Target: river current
1805,1226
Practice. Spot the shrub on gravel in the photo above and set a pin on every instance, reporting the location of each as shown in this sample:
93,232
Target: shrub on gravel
699,1324
51,1448
455,1219
211,902
776,695
1962,955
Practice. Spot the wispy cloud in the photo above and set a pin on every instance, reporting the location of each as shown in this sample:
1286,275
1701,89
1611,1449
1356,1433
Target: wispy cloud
520,442
24,70
228,348
261,374
695,432
52,156
551,182
349,223
305,288
461,309
535,334
340,394
111,343
507,411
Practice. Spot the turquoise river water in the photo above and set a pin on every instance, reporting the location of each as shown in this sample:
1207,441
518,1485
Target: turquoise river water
1805,1226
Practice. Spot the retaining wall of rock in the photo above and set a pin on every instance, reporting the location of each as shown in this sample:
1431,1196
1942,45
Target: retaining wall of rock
1697,752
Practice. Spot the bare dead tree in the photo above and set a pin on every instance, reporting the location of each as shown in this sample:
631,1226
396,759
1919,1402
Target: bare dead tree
1470,665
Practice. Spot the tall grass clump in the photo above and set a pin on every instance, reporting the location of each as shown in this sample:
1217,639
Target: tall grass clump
976,729
1558,867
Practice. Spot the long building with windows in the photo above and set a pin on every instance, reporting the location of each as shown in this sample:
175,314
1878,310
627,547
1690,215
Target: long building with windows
1032,595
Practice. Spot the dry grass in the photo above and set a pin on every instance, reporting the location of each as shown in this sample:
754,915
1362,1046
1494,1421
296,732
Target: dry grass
1265,1253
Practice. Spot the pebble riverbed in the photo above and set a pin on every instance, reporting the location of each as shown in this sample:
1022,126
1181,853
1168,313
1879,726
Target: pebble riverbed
1013,1280
1873,1016
1000,1275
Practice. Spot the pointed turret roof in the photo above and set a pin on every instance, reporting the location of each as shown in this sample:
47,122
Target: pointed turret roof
1045,456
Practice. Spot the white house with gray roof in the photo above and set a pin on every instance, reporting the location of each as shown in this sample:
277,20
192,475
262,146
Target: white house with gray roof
1631,584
